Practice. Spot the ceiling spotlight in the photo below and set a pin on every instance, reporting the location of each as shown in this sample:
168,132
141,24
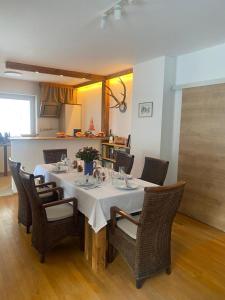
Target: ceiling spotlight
13,73
61,75
103,21
117,11
36,72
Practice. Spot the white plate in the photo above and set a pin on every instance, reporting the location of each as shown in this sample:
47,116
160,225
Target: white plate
84,183
59,171
132,186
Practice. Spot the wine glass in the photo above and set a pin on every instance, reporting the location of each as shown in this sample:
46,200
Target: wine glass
63,157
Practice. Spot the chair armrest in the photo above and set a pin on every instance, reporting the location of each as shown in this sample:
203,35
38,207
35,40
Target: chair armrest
52,183
114,210
58,190
41,177
58,202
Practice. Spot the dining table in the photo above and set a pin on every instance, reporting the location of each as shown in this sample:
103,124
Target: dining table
95,203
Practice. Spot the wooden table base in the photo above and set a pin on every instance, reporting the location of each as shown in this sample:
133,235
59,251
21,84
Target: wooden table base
95,247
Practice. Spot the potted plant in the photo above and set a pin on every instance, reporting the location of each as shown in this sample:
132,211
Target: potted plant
88,155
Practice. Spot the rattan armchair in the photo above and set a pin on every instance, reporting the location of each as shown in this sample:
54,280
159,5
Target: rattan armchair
144,240
24,209
51,221
53,155
125,160
155,170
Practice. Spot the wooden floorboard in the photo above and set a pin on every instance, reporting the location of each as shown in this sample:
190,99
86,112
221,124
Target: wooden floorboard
198,266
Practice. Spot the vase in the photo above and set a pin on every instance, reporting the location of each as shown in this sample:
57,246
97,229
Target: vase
88,167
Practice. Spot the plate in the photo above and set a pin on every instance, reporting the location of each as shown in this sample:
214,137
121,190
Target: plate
131,186
84,183
59,171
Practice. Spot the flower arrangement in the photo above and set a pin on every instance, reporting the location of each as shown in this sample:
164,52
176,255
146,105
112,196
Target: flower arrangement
88,154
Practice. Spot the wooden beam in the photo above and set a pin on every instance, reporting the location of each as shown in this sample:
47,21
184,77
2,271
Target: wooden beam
120,73
77,86
105,107
52,71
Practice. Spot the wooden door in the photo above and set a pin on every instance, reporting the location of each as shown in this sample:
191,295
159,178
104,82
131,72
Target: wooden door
202,154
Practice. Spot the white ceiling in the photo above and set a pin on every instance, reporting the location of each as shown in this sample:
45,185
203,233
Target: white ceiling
66,34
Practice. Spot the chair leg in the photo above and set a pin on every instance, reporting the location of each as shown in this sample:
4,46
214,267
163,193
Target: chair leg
81,242
111,253
28,228
139,283
42,258
168,270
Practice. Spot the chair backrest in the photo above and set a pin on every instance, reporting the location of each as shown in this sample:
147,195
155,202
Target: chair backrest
156,219
15,169
53,155
28,182
125,160
155,170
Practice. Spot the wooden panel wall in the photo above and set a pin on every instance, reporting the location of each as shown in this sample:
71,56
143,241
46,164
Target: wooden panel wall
202,154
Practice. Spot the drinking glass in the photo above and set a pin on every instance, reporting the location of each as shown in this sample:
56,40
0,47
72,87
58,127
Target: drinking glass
121,172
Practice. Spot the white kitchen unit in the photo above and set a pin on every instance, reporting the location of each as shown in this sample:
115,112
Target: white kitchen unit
29,151
70,118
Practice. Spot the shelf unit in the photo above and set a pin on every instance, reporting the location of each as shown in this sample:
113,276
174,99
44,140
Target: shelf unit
108,152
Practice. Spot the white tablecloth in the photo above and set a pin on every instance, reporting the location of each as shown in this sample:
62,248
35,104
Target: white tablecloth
95,203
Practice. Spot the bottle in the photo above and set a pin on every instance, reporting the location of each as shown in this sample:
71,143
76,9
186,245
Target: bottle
110,137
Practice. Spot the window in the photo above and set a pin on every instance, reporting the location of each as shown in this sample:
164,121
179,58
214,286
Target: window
17,114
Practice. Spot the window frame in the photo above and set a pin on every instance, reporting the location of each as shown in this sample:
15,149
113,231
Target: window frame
32,100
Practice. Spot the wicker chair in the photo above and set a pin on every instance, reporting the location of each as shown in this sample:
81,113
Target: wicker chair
144,240
155,170
53,155
123,160
24,209
51,221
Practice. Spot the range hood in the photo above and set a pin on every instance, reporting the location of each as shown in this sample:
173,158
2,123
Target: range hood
50,110
53,96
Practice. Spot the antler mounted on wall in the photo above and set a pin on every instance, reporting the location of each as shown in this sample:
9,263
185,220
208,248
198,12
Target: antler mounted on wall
121,104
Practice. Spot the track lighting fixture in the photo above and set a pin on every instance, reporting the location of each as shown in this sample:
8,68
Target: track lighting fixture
103,21
115,10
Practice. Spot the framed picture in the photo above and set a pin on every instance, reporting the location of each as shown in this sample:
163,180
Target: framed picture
145,109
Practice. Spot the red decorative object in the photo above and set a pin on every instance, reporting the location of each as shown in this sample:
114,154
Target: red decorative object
91,126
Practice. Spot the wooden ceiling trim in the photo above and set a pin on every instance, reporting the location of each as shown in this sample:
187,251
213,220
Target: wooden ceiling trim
107,77
79,85
52,71
120,73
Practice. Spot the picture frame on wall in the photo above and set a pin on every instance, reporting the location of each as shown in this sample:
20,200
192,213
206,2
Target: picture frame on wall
145,110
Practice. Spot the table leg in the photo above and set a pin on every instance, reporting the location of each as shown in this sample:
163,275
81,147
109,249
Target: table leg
99,250
87,240
5,161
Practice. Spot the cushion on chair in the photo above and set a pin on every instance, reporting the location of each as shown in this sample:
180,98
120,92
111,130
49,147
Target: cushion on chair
59,212
41,189
128,227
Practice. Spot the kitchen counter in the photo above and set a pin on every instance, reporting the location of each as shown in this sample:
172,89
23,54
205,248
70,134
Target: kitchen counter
29,150
50,138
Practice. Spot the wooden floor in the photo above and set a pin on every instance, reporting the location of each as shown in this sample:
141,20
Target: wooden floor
198,267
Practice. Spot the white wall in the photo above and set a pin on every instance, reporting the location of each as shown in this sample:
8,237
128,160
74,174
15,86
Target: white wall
91,100
200,66
120,123
146,132
45,126
91,97
167,131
